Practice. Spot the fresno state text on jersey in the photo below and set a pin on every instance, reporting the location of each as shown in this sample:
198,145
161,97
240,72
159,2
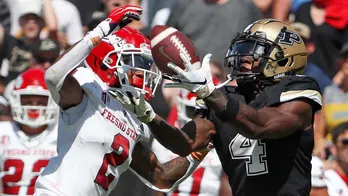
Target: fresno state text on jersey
22,158
95,143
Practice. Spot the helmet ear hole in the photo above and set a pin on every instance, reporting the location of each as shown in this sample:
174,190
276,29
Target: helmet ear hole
283,62
279,55
103,66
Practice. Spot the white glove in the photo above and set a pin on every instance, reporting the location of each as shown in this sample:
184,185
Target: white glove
134,102
198,81
200,105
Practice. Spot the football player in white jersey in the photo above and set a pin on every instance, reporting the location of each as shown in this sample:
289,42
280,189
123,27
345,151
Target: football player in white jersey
98,138
28,142
334,180
208,179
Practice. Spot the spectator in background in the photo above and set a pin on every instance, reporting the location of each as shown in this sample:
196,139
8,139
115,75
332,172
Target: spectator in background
18,50
312,69
106,7
211,24
69,23
335,105
95,19
5,110
44,53
295,4
29,141
335,31
155,13
265,7
5,19
85,9
283,9
40,7
327,19
333,180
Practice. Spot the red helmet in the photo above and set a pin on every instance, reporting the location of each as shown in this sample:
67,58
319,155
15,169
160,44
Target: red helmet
32,82
125,50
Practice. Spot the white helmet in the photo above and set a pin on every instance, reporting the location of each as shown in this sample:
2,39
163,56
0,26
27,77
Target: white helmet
32,82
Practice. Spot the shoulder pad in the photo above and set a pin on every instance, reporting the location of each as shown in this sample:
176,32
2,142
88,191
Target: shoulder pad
301,87
290,88
298,82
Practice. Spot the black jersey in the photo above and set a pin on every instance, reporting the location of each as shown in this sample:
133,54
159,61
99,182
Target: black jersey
270,166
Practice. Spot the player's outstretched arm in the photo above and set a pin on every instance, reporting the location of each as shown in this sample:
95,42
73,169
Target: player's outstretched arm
163,177
65,90
193,136
267,122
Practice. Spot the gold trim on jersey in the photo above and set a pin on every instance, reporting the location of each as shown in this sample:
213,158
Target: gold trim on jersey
310,94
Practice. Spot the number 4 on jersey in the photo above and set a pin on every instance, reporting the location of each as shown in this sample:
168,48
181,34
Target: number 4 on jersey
252,150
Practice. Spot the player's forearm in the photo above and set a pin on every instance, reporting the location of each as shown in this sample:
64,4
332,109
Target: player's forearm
170,137
252,123
68,61
177,170
164,177
266,123
170,172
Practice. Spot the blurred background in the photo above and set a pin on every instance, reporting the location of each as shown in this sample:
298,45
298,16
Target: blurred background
34,32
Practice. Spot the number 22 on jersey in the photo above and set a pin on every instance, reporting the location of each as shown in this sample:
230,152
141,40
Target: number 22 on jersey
254,151
13,179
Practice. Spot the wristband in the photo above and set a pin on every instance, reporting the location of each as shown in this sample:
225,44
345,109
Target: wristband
197,157
192,160
231,110
92,39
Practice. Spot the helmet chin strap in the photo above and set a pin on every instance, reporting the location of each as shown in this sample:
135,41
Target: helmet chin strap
122,74
137,82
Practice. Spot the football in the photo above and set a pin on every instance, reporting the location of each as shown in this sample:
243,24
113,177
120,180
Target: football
166,45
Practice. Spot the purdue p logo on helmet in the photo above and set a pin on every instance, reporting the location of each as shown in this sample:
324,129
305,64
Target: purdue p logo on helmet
275,45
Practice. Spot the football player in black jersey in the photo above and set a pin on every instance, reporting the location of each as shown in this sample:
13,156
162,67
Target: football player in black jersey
264,127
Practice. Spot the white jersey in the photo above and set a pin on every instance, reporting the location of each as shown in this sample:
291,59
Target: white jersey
335,184
95,143
329,178
23,158
205,180
317,172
